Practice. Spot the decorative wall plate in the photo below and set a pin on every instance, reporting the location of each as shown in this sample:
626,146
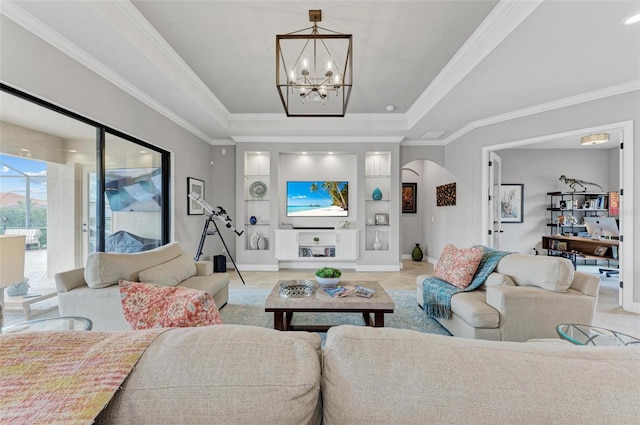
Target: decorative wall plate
258,189
262,242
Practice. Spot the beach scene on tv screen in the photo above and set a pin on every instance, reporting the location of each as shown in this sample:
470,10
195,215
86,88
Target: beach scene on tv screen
317,199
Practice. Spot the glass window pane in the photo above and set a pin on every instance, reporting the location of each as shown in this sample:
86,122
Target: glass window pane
133,196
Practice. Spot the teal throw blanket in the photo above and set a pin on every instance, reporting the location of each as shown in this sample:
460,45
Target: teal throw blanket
437,293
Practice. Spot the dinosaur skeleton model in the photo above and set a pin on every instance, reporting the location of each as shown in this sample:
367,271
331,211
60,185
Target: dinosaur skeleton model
577,182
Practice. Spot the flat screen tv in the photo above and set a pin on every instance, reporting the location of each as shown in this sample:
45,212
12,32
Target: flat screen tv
134,189
317,199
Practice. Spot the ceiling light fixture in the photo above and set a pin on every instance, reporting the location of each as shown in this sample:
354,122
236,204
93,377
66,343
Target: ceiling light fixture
594,139
311,66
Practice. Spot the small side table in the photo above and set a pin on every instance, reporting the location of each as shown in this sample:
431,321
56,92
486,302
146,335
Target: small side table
592,335
53,324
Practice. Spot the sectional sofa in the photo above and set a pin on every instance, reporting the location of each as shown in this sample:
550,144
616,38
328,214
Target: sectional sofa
232,374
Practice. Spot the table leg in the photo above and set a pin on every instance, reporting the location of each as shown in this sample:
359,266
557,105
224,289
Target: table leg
278,322
366,316
378,320
288,319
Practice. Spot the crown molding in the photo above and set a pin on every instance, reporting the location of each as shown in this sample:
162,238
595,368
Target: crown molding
21,17
546,107
317,139
502,20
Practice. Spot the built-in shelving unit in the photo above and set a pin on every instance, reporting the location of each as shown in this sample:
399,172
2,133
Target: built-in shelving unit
377,169
257,200
316,244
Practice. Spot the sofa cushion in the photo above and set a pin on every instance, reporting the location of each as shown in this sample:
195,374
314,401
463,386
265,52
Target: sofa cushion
472,307
148,306
551,273
107,268
497,279
228,374
170,273
457,266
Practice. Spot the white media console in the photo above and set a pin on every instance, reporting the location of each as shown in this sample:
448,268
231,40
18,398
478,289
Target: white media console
316,245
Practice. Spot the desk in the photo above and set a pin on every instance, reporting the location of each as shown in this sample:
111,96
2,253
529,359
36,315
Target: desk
574,247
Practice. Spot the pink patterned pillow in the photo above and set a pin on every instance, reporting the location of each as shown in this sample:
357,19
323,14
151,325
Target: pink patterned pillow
457,266
148,306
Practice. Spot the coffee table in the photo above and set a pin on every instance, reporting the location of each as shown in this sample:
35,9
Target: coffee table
372,309
593,335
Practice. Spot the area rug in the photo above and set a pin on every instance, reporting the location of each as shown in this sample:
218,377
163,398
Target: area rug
246,307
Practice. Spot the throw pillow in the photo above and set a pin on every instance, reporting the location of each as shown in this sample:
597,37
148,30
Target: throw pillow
147,306
170,273
457,266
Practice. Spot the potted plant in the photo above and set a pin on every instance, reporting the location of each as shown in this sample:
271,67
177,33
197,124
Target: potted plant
328,276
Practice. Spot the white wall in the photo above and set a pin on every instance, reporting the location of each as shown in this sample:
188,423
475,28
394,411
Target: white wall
539,170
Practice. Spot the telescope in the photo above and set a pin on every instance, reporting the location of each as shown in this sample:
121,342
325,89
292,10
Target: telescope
220,215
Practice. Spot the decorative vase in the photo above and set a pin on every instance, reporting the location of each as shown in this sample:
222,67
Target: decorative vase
376,243
416,254
376,194
253,219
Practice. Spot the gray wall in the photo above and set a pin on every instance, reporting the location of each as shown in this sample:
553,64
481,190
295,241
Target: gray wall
32,65
539,170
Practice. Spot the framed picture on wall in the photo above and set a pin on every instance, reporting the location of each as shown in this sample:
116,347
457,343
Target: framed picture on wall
409,197
197,186
511,203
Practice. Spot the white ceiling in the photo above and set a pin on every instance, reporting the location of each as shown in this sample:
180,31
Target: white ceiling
447,66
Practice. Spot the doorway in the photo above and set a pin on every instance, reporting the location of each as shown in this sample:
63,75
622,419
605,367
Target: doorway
625,161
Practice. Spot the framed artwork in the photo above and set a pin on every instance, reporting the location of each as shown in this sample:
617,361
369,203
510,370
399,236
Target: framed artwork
409,197
446,195
197,186
511,203
381,219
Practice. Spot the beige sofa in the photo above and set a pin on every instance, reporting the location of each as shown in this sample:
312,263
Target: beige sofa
525,298
232,374
93,291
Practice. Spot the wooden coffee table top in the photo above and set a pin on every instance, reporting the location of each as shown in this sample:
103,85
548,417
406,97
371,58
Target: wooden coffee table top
319,300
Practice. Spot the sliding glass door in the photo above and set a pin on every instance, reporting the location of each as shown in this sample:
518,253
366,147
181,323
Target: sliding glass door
99,189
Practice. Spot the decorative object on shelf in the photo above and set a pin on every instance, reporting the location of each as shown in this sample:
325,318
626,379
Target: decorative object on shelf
572,183
196,187
376,195
376,242
262,242
594,139
381,219
446,195
345,224
253,241
316,240
409,198
18,289
571,220
370,222
328,277
512,203
296,288
416,254
258,189
315,71
253,219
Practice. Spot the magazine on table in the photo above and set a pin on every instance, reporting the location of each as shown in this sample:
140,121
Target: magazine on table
345,291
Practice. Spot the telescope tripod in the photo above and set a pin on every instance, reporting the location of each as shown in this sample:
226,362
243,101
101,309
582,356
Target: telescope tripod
206,231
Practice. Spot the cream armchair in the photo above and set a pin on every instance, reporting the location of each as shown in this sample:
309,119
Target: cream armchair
525,298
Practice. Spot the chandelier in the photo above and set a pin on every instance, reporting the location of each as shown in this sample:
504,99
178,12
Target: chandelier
594,139
314,71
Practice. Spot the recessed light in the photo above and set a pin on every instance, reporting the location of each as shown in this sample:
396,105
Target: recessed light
73,150
142,151
391,108
304,153
633,20
330,153
24,150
